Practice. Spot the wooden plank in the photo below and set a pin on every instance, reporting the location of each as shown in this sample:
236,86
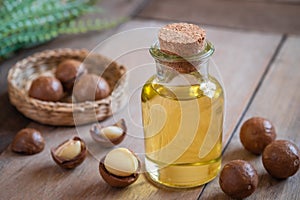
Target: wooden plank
277,1
241,66
278,101
10,119
249,15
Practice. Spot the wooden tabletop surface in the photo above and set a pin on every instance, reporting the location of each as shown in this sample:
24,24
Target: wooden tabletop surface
260,72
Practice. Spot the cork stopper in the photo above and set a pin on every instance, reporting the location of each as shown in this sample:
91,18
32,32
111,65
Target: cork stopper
182,39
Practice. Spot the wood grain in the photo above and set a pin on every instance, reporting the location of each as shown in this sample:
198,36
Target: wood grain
277,101
249,15
241,66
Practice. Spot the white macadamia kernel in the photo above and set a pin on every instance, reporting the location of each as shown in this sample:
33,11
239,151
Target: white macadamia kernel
121,162
112,132
69,150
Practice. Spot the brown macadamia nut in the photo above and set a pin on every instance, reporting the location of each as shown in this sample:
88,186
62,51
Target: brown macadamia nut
281,159
68,70
46,88
256,133
90,87
28,141
238,179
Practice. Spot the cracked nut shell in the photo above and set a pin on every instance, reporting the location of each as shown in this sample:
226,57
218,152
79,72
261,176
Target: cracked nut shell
256,133
69,163
67,71
28,141
281,159
46,88
97,134
90,87
238,179
118,181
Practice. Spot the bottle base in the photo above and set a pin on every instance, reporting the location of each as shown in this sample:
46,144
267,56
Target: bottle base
182,175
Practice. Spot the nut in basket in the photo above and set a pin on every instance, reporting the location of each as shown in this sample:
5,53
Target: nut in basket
67,111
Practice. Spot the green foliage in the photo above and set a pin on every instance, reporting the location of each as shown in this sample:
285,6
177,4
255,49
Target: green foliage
28,22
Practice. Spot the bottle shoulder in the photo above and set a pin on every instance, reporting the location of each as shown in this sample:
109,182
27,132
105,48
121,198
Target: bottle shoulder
185,81
184,90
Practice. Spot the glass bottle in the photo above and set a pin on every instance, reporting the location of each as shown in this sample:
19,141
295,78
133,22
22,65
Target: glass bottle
182,110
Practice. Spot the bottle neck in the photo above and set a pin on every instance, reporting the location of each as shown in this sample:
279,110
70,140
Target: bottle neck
204,68
173,68
182,72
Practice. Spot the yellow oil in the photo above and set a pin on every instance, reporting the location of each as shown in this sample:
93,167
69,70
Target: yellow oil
183,133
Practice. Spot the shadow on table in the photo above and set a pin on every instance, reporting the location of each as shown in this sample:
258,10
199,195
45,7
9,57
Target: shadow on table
11,121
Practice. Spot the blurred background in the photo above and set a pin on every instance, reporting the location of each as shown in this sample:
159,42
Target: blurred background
32,22
279,16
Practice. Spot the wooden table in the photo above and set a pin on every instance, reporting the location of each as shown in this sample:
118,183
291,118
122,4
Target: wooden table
261,76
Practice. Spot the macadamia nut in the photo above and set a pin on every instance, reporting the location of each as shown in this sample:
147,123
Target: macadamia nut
121,162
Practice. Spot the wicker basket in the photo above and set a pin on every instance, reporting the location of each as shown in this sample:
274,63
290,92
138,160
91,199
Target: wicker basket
65,113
